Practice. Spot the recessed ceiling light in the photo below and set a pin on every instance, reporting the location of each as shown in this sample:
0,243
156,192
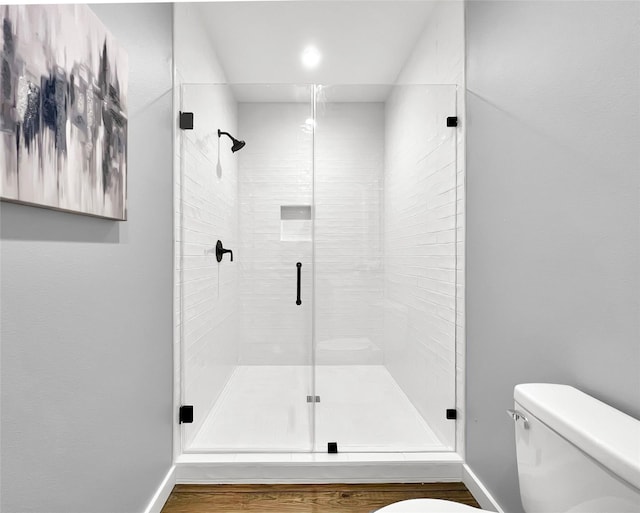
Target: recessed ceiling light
311,57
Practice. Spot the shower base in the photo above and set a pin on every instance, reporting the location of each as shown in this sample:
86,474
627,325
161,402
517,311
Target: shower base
261,430
264,409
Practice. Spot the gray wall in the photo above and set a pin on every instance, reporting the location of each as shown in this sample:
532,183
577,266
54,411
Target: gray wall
86,318
553,223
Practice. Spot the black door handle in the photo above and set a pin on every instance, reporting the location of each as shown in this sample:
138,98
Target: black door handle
299,266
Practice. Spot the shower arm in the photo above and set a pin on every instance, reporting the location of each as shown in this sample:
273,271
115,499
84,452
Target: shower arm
237,143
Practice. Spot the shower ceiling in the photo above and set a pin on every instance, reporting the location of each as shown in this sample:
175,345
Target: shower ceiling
362,42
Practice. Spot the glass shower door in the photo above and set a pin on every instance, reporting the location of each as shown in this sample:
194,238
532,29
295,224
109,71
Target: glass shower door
246,320
335,322
385,257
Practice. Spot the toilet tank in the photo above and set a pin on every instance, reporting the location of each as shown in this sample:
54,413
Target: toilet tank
575,453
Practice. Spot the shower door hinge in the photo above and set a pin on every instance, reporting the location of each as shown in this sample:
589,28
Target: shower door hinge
186,120
313,399
186,414
452,414
452,121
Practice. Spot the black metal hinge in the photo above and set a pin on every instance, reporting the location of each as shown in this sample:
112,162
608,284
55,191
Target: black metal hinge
186,414
452,414
332,447
452,121
186,120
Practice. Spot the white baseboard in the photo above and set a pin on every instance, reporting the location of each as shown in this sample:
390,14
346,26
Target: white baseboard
162,493
479,491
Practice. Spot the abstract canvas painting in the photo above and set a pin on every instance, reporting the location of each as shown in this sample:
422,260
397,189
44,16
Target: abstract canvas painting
63,111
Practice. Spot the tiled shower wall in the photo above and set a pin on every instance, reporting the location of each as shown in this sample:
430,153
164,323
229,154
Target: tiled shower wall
348,232
205,199
419,246
209,190
438,58
276,171
206,293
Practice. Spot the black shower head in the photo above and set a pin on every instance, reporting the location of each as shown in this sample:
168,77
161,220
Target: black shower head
237,145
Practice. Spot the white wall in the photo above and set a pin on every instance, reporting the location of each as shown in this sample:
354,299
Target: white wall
206,199
424,302
438,56
86,318
553,213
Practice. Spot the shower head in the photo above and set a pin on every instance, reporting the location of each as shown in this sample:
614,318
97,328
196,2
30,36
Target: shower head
237,145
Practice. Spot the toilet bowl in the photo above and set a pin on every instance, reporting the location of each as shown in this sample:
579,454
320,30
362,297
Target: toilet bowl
428,506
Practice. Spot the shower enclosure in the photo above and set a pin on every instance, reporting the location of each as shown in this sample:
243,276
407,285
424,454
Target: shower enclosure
332,324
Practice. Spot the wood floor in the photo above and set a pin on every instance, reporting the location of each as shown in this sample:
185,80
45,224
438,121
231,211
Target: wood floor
325,498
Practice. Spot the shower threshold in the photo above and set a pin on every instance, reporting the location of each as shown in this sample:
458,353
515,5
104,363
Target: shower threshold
311,468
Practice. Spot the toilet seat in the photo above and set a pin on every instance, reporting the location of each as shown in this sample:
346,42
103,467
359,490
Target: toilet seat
429,506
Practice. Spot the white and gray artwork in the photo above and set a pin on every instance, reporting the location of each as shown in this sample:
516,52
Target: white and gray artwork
63,111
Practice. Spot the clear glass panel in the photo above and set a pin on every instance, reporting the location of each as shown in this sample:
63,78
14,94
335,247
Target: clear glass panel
247,359
385,258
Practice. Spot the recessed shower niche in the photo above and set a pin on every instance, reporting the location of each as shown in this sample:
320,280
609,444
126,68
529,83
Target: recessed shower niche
340,211
295,223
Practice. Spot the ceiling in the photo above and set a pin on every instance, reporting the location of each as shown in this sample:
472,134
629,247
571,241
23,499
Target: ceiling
362,41
304,93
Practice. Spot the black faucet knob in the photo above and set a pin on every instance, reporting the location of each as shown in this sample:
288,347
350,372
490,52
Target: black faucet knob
220,251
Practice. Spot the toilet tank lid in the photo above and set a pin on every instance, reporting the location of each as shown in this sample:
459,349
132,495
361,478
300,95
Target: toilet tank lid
608,435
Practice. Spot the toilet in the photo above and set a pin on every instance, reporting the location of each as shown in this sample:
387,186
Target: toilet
575,455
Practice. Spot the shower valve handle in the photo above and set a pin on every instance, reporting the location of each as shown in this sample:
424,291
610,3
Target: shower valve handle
220,251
